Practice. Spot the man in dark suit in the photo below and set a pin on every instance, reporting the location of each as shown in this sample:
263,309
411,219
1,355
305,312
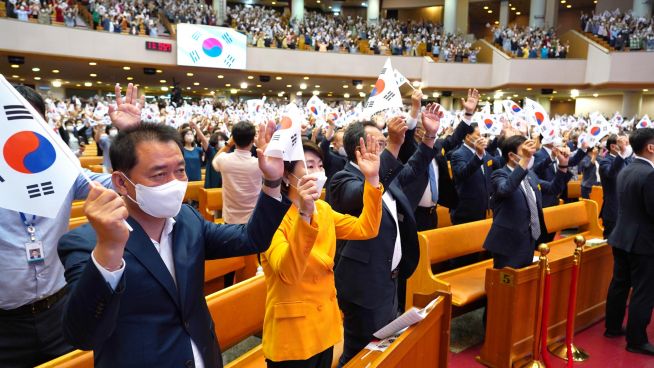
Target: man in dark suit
472,167
518,205
336,159
136,298
633,247
616,160
435,185
369,273
545,167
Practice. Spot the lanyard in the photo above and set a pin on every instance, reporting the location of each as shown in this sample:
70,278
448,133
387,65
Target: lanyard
29,226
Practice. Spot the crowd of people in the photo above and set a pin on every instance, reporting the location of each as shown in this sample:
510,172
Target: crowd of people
622,30
120,288
530,43
44,11
126,16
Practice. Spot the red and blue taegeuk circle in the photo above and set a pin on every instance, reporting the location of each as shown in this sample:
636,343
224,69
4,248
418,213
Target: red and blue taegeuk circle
212,47
595,131
379,88
539,117
488,123
314,110
516,108
29,152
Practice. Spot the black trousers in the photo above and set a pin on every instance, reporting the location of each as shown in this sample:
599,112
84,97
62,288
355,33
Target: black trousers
320,360
585,192
616,298
360,323
426,218
608,228
28,340
642,299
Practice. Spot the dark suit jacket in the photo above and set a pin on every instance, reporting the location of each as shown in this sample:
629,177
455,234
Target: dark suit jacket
363,267
473,186
545,170
331,162
610,167
446,192
634,230
510,228
148,320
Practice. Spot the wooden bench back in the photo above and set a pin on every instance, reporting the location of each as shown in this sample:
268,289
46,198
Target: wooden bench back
574,189
193,190
454,241
209,201
87,161
238,311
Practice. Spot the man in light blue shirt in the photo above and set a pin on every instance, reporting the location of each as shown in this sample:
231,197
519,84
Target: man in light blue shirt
32,294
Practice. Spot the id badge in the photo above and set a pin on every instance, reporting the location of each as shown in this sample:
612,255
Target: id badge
34,252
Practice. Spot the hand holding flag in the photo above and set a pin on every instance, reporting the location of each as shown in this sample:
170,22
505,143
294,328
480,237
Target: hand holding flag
272,167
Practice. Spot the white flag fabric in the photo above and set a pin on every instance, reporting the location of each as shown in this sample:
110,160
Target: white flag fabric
386,94
400,79
644,122
37,168
597,129
286,142
316,108
512,108
255,108
490,124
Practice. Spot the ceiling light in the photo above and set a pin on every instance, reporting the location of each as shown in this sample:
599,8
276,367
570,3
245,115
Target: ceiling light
88,84
278,78
126,68
306,78
346,86
303,86
188,88
280,94
568,6
490,11
93,75
36,69
563,1
555,92
233,91
574,93
316,93
529,88
244,85
56,71
15,66
416,83
258,86
435,95
273,3
189,74
56,83
317,1
517,13
513,9
595,94
196,83
497,22
298,93
228,84
515,96
317,85
78,85
645,90
37,78
130,78
15,76
98,82
162,81
159,71
164,88
250,77
485,8
220,76
361,94
289,85
346,95
92,63
359,86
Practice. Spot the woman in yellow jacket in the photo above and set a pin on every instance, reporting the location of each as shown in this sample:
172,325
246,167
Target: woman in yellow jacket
302,322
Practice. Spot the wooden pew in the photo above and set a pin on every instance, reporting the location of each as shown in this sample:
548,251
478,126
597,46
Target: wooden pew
96,168
76,221
444,219
574,189
244,267
466,284
193,190
425,344
597,195
87,161
512,298
209,201
74,359
77,209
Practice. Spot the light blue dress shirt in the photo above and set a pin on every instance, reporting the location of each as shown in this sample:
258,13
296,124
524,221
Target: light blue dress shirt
22,283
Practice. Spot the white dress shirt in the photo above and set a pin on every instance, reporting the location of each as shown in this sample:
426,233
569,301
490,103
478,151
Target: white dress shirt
425,200
165,250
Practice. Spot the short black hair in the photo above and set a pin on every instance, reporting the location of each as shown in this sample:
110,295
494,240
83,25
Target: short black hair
511,145
123,147
243,133
612,139
33,97
353,134
640,138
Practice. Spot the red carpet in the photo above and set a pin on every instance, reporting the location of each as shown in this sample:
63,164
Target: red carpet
604,353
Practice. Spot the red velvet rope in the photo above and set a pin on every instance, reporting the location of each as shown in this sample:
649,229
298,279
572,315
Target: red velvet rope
545,321
572,303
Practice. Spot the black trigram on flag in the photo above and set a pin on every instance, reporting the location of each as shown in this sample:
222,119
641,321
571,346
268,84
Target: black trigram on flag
370,103
227,38
229,60
294,139
196,36
17,112
383,71
194,56
274,138
389,95
36,190
2,180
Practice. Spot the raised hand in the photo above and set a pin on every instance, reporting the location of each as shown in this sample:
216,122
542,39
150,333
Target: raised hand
368,159
308,193
470,104
271,167
127,112
562,158
480,145
431,119
416,97
106,212
528,149
396,129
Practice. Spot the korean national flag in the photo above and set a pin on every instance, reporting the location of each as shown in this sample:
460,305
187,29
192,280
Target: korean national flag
37,169
211,47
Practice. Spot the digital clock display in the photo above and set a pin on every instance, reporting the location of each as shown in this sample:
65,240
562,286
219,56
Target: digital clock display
158,46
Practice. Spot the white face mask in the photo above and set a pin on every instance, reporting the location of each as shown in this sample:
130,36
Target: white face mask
341,151
628,151
529,165
113,132
163,201
220,144
320,176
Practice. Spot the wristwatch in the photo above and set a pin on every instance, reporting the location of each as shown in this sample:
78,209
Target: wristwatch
272,183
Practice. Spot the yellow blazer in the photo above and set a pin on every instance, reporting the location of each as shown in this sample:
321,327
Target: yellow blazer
302,316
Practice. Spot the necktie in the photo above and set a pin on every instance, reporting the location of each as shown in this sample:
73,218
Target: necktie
534,224
432,183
